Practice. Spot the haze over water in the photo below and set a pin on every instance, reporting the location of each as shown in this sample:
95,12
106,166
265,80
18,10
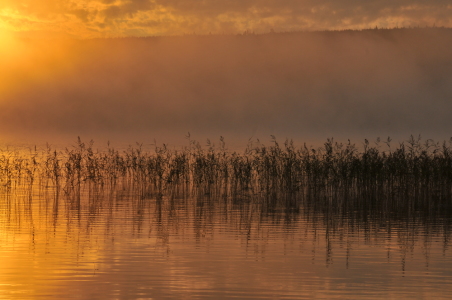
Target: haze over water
305,86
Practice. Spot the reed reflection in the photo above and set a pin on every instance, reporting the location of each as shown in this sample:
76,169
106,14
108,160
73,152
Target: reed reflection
334,197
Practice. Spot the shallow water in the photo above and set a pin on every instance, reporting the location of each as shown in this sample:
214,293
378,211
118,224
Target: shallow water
117,244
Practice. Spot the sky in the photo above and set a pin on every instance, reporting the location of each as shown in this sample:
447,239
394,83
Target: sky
119,18
64,74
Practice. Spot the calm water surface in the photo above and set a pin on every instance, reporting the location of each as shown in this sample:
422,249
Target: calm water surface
113,243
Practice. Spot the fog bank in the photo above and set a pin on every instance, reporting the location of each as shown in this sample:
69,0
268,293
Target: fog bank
305,86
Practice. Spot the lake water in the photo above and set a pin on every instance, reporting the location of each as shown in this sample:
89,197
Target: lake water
117,243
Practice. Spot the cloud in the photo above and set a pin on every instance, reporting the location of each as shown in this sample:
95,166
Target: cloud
91,18
127,9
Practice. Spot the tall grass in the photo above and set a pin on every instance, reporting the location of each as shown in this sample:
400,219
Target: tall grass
373,188
414,168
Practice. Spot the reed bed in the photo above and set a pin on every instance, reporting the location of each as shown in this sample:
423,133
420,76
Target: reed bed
372,188
413,168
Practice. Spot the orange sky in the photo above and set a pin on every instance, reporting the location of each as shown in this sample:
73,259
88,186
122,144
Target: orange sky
111,18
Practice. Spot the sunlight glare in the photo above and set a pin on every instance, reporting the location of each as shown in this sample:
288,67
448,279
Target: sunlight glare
7,43
10,52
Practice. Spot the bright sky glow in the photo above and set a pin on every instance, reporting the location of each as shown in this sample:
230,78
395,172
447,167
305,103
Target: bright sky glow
9,48
110,18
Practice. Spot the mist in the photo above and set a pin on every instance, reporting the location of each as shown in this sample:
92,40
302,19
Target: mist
305,86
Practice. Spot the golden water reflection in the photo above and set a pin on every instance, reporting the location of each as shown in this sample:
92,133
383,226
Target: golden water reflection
114,243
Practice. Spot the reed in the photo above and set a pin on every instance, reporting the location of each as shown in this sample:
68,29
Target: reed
373,188
413,168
